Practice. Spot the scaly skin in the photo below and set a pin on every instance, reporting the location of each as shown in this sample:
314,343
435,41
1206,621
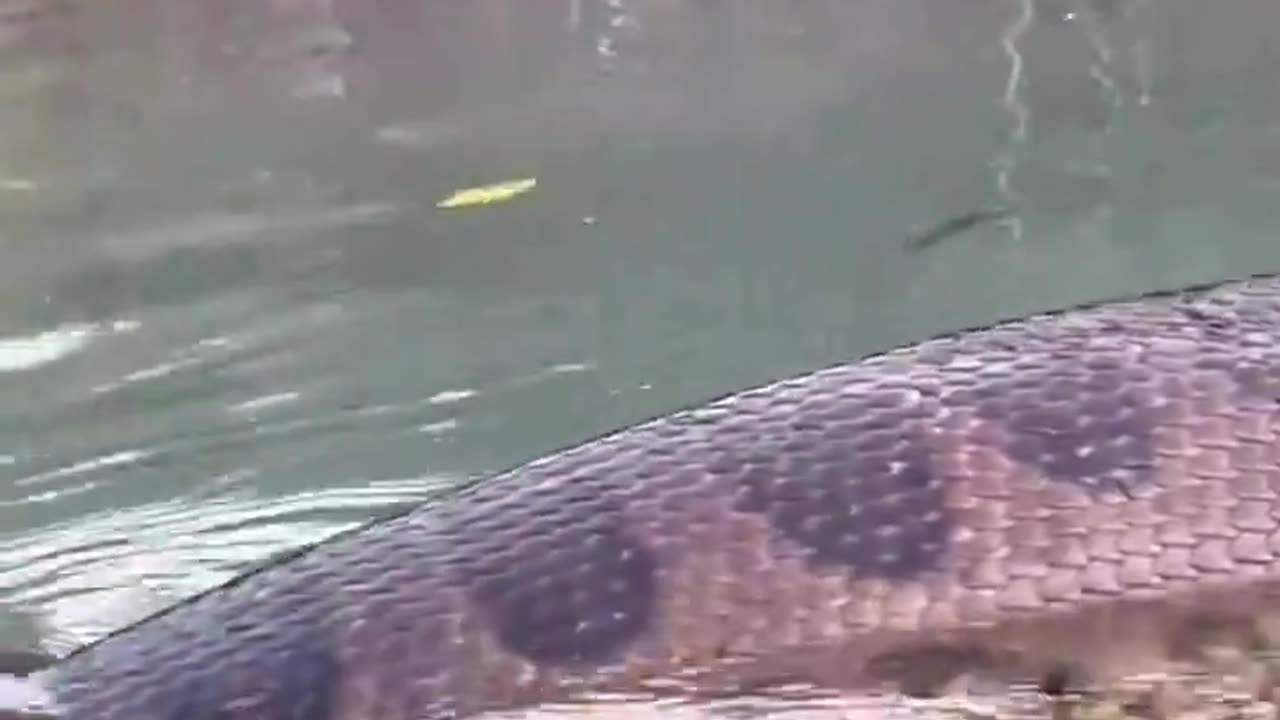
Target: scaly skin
1076,487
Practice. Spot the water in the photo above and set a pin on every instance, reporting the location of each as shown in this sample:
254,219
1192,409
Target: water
233,320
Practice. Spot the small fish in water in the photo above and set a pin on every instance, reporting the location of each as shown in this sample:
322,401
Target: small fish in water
955,226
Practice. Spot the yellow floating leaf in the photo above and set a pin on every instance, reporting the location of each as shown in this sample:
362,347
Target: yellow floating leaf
486,194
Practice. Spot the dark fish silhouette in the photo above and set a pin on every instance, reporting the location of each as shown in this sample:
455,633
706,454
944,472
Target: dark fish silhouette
1073,489
954,226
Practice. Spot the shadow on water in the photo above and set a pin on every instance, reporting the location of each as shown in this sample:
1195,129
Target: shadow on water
231,315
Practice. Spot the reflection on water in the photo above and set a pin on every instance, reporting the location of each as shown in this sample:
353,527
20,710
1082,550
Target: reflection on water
27,353
104,569
231,316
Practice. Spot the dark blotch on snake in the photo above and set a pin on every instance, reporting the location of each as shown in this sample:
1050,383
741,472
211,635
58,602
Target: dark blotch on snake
292,674
566,594
858,491
1089,424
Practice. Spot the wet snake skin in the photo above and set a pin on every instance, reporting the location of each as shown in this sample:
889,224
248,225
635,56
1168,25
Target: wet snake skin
1073,489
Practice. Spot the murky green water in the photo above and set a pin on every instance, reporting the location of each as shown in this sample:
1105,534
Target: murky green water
232,319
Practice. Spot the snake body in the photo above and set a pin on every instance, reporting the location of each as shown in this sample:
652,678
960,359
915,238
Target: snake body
1075,488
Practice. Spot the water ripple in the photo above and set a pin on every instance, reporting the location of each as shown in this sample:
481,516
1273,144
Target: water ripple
101,571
